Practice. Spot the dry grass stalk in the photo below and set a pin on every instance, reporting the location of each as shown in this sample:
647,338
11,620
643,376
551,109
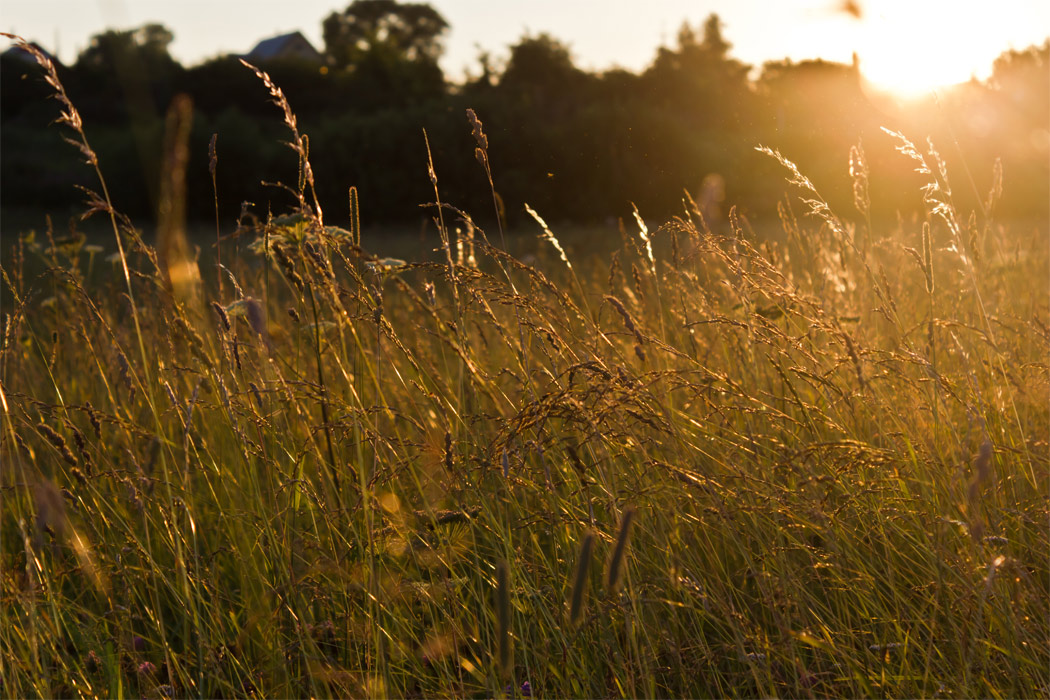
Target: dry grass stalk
299,142
548,235
503,617
643,233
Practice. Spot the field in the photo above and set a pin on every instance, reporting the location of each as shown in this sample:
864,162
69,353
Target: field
810,464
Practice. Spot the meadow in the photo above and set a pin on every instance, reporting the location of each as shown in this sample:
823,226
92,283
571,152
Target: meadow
712,464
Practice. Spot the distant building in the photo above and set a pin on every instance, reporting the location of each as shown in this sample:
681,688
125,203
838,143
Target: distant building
285,46
17,53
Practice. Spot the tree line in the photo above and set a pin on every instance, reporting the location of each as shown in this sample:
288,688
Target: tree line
577,145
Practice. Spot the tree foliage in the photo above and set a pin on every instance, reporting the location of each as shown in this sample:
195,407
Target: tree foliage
406,31
115,49
575,144
699,74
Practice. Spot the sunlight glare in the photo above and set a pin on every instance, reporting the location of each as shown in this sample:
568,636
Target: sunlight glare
909,49
910,75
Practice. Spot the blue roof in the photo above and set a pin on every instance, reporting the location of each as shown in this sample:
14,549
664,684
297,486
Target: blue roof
276,47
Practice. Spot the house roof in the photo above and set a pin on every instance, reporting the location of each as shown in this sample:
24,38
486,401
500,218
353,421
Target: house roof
293,44
20,54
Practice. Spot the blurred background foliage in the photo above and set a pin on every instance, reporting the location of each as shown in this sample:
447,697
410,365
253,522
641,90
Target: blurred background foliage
578,146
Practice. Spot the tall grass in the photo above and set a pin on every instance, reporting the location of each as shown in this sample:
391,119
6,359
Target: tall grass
350,476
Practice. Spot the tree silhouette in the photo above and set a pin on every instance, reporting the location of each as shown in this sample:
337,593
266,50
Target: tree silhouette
1021,77
389,51
409,32
699,74
115,49
130,76
575,144
540,69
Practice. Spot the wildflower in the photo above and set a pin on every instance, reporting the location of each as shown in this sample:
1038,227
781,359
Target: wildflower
147,668
386,264
340,234
884,647
238,308
525,689
807,679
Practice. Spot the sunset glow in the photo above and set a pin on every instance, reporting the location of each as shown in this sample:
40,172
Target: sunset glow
909,49
906,47
910,75
524,348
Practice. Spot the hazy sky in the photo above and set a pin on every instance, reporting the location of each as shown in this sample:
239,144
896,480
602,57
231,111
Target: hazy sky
909,43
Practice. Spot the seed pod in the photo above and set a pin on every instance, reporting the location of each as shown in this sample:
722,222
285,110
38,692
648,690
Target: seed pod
93,419
579,586
616,560
58,442
221,313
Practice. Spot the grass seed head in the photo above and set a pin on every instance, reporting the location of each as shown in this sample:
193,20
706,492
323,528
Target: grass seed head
927,256
59,443
616,561
579,586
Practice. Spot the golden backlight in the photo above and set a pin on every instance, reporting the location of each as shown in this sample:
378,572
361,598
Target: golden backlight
908,75
912,48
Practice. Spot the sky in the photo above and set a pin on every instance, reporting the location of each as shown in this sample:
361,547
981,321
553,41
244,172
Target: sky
903,45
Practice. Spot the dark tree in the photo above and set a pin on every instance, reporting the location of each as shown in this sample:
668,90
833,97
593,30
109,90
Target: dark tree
699,74
128,77
1022,77
388,51
1017,125
116,49
714,42
409,31
541,65
126,74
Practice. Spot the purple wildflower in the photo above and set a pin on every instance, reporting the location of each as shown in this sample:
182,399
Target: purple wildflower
526,690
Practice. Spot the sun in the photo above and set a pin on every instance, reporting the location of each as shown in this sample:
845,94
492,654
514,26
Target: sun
912,75
910,49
